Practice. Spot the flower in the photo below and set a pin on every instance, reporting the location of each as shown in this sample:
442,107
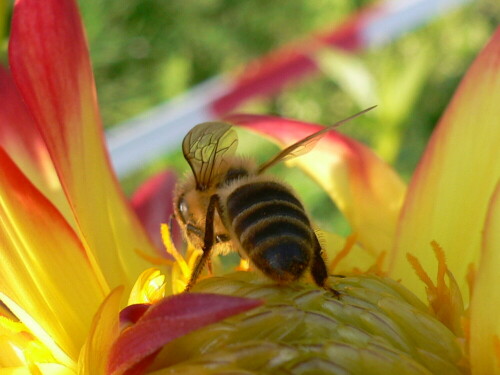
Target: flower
71,246
69,240
451,206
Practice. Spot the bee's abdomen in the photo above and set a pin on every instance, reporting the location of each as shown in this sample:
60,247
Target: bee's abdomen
272,228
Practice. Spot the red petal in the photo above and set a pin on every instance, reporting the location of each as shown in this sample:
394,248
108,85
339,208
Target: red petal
270,73
169,319
132,313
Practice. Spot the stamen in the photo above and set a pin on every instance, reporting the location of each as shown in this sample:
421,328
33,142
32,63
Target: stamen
441,287
350,241
377,267
496,348
471,279
419,270
244,265
445,300
158,261
169,246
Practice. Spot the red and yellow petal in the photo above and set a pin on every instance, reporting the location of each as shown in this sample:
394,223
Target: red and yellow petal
153,203
366,189
103,333
48,281
20,137
50,65
167,320
450,191
485,305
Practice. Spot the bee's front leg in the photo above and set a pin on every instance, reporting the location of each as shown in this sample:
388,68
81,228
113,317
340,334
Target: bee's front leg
208,241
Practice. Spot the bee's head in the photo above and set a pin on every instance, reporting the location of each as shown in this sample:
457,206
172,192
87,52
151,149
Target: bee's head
190,209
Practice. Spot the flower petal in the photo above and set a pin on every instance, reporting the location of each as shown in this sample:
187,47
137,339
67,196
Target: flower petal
485,304
50,65
168,319
104,331
21,139
366,190
12,336
43,265
448,196
149,287
153,203
50,350
39,369
344,256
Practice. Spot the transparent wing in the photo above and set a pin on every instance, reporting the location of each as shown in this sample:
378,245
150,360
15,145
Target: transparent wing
205,147
307,144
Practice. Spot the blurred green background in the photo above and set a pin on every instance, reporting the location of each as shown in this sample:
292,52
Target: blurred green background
145,52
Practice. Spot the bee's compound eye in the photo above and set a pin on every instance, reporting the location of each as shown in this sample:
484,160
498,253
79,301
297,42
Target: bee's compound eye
183,208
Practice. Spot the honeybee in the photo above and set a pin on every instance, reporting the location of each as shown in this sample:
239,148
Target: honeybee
229,204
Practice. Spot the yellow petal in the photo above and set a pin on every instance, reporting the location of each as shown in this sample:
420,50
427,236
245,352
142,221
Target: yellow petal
449,194
344,256
9,340
40,333
18,345
45,271
104,331
149,287
485,304
40,369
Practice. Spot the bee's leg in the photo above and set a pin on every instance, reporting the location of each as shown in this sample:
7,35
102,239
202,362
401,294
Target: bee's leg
319,271
209,266
208,241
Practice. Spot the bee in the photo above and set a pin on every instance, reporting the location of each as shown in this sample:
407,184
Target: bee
229,204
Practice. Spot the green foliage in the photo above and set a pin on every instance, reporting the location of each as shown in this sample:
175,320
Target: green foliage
145,52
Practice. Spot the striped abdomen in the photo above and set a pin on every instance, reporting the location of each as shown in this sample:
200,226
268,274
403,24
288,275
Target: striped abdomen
272,228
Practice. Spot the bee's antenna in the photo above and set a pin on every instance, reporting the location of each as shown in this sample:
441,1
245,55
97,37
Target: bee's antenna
337,124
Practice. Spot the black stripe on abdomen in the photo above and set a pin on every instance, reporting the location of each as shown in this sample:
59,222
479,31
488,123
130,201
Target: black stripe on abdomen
272,227
264,211
250,194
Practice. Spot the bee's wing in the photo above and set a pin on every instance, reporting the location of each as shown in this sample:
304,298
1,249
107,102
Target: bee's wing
205,148
305,145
